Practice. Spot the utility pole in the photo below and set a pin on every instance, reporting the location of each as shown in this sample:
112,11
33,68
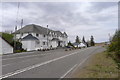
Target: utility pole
47,36
15,39
21,23
16,26
21,27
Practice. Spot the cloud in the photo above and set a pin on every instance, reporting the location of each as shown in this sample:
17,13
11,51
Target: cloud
76,18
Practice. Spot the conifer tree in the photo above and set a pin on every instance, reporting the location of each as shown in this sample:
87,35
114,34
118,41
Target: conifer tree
92,43
77,40
83,40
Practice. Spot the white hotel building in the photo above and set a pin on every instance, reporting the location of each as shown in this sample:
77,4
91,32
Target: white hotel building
34,37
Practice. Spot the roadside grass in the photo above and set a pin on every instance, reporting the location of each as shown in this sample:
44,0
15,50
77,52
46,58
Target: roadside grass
99,66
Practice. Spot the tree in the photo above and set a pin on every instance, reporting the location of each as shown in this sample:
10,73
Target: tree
70,44
115,43
17,45
92,43
11,41
88,43
83,40
77,40
7,37
115,47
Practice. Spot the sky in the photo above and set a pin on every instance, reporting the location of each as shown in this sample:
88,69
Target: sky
75,18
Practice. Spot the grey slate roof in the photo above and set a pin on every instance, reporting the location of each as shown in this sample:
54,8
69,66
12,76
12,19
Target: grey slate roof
32,28
36,29
29,37
59,33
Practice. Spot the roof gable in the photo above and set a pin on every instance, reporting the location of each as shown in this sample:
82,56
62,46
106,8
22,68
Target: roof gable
5,41
37,29
29,37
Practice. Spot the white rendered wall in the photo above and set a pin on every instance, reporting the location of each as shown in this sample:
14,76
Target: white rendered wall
28,45
54,44
44,39
5,48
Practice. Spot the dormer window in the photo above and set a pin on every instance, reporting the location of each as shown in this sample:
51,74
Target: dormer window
37,35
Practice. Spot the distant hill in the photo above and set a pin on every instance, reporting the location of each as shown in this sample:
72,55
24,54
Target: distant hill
101,44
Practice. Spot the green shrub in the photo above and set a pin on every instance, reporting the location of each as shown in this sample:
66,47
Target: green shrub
115,47
17,51
8,37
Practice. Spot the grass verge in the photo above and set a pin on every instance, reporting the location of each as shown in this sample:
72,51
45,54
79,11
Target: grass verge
99,66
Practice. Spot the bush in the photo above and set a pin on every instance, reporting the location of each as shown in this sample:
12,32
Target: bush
115,47
17,51
8,37
18,45
112,47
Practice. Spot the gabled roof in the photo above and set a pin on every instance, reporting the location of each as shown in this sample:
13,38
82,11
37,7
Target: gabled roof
6,41
65,34
37,29
32,28
59,33
29,37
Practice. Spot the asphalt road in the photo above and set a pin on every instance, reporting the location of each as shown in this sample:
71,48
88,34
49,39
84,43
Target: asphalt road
49,64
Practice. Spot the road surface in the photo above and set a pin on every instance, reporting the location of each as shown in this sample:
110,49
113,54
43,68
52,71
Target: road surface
49,64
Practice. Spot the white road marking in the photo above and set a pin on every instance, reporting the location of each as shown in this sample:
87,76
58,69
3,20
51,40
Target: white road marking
5,65
13,63
20,57
37,65
24,56
68,71
33,66
81,63
74,67
11,54
32,55
21,61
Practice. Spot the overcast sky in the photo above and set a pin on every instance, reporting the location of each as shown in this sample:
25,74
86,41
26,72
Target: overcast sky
75,18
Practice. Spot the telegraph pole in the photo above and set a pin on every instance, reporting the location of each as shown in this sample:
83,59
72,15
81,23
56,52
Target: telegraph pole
47,36
21,27
15,38
21,23
16,26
